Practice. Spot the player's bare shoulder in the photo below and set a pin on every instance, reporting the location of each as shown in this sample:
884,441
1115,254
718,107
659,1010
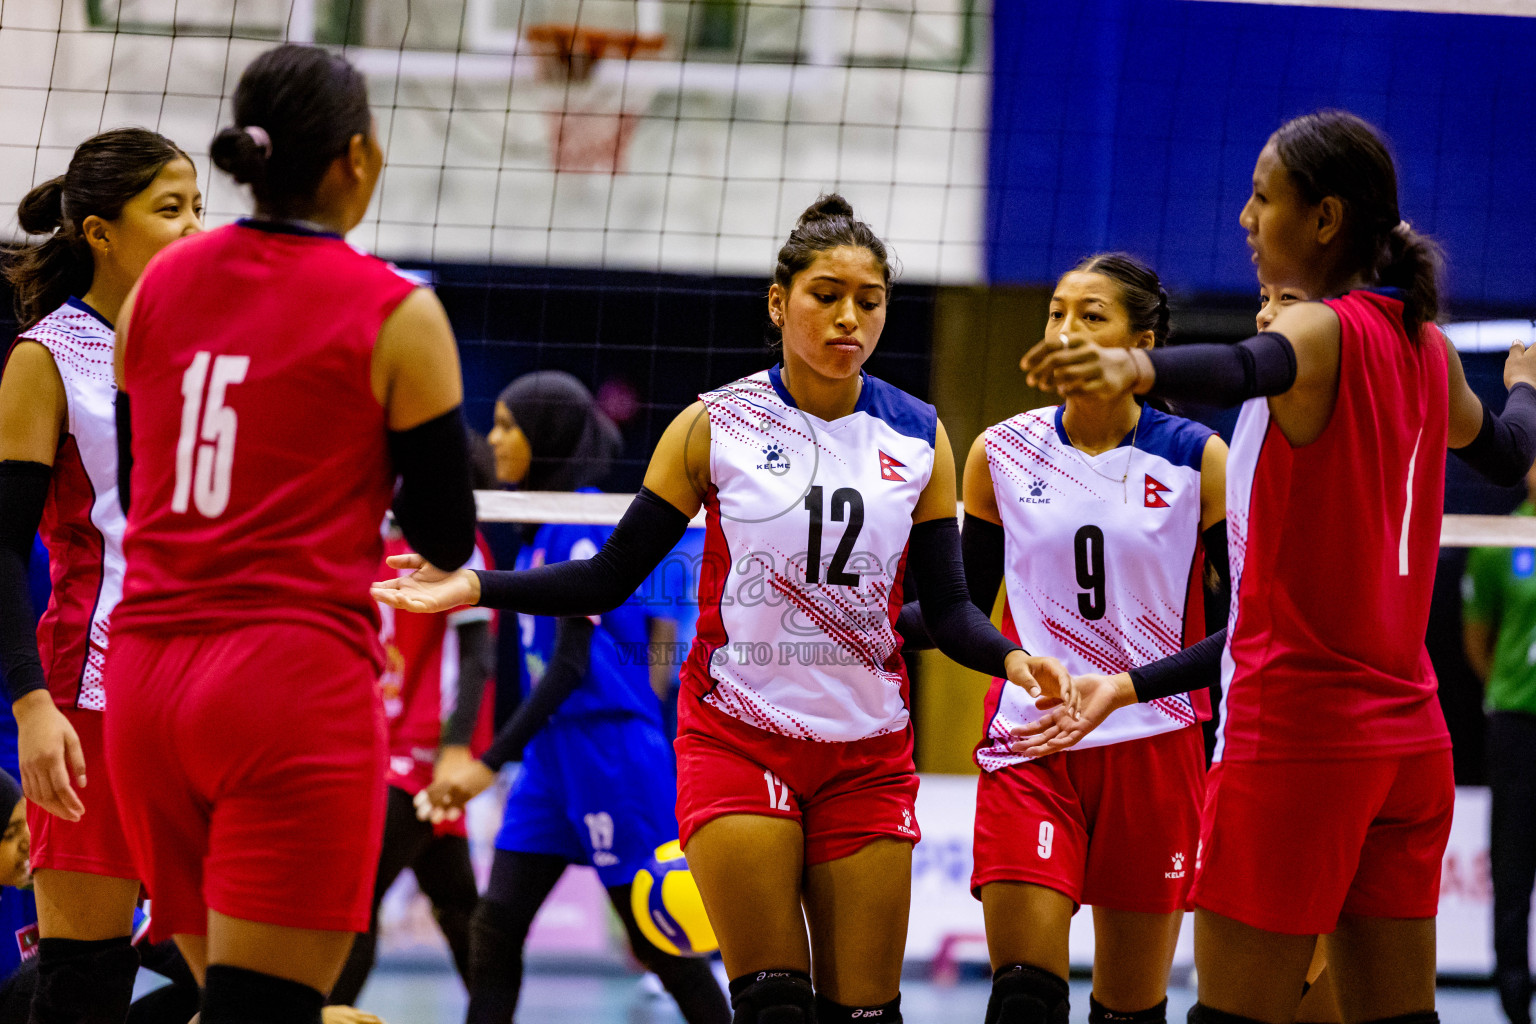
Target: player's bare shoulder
679,471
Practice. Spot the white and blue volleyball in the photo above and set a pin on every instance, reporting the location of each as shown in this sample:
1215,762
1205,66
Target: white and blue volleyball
668,907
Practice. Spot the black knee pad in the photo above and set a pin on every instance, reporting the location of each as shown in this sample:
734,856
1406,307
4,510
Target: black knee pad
234,995
1098,1013
773,997
1202,1014
1022,994
84,982
828,1012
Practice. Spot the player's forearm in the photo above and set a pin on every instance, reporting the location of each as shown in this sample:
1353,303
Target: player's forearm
649,530
477,660
1505,446
1218,577
982,545
959,629
567,668
23,496
1194,668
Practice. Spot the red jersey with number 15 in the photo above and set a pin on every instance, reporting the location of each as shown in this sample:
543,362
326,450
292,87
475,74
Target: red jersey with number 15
260,470
1333,548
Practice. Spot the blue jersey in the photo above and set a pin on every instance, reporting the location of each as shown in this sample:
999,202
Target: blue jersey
618,679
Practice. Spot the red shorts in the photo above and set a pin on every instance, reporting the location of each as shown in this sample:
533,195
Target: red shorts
844,795
1113,826
1289,846
95,844
250,765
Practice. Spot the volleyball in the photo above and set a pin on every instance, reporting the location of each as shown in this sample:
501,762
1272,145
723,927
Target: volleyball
668,906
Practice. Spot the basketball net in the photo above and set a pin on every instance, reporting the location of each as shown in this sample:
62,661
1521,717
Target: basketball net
590,121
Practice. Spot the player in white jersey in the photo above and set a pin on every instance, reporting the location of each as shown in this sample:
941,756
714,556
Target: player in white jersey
822,484
127,194
1092,513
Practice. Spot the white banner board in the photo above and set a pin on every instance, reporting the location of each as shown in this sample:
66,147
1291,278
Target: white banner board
946,924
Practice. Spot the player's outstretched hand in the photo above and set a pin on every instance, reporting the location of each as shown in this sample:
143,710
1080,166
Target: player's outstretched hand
347,1015
1520,367
427,588
1056,730
454,784
1045,679
1081,368
51,760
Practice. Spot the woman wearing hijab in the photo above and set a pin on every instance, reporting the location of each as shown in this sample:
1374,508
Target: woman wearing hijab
597,784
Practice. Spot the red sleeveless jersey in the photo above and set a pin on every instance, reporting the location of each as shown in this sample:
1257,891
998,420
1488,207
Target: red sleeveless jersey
1333,547
420,682
261,473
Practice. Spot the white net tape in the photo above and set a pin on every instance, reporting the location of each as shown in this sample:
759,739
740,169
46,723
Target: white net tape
1457,531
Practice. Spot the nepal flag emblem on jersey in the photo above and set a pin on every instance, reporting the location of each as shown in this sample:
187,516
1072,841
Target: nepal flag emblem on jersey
888,468
1155,492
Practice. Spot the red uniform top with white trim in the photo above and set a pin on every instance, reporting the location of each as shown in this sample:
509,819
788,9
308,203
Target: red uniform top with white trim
82,525
261,470
420,682
1333,548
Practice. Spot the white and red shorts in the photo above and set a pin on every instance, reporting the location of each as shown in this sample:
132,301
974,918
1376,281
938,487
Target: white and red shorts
844,795
1289,846
1113,826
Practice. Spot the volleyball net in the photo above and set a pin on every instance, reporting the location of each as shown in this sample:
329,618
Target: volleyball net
600,186
1456,531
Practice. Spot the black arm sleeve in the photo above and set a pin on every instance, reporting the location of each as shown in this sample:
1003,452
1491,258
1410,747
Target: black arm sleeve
958,627
911,628
435,505
567,668
650,529
1225,375
982,544
1505,447
120,411
477,663
1194,668
981,548
1218,577
23,494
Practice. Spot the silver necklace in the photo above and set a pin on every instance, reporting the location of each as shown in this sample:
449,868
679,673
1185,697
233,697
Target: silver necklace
1125,498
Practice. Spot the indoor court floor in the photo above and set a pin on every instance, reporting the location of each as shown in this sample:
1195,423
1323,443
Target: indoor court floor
416,996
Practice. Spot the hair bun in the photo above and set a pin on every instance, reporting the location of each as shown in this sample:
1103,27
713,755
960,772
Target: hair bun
237,153
41,211
828,206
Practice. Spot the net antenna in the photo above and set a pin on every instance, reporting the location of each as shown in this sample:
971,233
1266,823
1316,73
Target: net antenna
590,120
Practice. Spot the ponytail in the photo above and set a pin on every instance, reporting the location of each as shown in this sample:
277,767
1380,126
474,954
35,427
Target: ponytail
43,276
296,109
1335,153
1412,263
